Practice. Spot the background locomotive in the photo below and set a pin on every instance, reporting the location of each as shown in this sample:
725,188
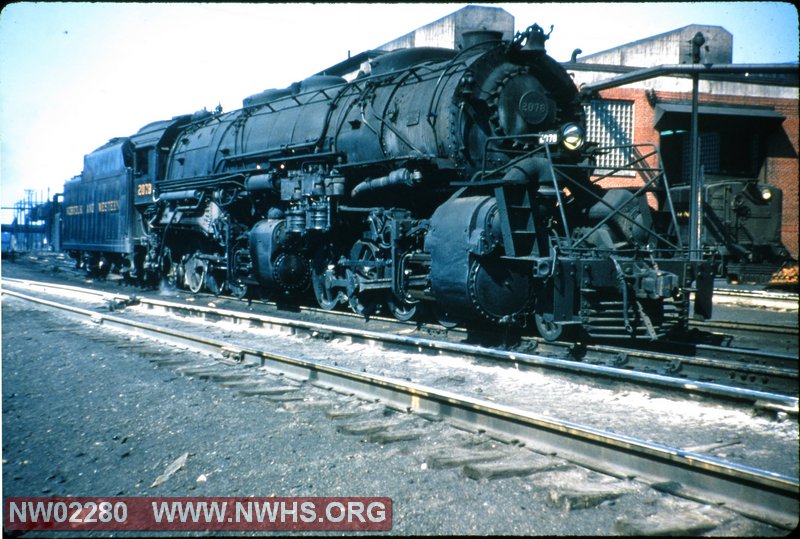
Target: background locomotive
456,180
741,227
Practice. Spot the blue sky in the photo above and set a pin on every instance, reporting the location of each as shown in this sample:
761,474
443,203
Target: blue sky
73,75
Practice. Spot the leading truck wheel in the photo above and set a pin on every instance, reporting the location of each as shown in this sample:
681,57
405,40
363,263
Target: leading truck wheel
237,288
169,271
444,318
549,330
327,298
213,283
401,310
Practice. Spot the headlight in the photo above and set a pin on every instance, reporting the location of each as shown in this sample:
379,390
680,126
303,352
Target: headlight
766,194
572,137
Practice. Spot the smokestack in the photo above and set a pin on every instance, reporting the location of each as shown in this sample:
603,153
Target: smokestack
470,38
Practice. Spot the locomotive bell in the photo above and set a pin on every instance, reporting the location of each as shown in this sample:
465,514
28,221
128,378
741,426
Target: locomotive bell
535,39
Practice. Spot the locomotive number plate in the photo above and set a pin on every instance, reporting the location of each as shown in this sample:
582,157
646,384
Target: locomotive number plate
549,138
144,189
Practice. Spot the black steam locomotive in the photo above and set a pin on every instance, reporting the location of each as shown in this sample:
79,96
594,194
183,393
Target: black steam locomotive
455,182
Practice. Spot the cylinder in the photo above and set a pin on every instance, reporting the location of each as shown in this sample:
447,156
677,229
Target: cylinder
296,220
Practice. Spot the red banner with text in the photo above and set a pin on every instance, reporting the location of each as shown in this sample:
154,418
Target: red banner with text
198,513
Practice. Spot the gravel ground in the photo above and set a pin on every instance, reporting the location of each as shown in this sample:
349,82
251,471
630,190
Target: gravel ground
737,433
87,414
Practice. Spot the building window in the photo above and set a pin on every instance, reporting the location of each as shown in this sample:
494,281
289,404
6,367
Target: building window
610,123
731,151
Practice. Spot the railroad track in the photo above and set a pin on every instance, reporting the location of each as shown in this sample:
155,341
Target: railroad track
755,493
773,329
765,380
784,301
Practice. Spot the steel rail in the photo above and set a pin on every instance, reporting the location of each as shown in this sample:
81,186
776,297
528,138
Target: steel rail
746,326
785,301
755,493
761,294
788,403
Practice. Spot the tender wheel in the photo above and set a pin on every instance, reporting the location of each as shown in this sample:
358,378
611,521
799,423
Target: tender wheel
549,330
103,267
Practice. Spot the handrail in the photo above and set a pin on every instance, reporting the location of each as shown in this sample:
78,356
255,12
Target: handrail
654,180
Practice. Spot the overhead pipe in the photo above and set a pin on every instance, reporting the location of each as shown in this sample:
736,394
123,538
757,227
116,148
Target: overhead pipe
688,69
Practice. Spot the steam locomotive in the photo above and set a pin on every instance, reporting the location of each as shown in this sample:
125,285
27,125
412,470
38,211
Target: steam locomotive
458,183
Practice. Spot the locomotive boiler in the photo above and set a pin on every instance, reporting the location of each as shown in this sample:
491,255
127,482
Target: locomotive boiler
455,182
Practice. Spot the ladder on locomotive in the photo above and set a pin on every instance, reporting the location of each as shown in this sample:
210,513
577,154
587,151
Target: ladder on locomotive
517,219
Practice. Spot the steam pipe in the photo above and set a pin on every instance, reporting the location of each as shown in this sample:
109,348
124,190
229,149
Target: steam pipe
401,176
